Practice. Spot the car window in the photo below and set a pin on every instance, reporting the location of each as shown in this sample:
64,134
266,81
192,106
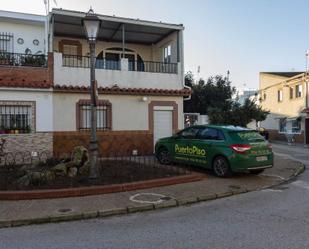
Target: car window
189,133
247,136
211,134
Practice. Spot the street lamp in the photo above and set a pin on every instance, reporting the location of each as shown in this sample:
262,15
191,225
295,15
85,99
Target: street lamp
91,23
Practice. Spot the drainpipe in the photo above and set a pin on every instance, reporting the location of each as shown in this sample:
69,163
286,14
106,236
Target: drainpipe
181,50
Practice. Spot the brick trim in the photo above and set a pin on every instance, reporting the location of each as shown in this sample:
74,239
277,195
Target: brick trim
64,42
100,102
151,106
124,91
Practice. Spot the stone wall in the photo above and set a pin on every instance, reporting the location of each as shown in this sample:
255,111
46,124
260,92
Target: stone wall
120,143
32,142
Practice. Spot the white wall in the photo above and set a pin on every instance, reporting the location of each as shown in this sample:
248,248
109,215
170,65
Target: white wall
44,105
28,32
128,112
107,78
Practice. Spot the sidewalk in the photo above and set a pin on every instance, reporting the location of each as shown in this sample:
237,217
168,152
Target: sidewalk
16,213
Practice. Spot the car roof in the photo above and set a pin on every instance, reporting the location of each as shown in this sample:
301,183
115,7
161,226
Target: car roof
224,127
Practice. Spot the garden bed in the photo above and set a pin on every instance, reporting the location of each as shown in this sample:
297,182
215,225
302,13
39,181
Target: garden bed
114,170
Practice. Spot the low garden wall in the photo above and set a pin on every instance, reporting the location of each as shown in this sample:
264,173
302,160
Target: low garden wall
275,135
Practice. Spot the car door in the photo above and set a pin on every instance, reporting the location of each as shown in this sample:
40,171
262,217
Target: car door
182,151
212,141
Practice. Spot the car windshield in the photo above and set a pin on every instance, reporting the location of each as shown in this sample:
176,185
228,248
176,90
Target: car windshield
246,136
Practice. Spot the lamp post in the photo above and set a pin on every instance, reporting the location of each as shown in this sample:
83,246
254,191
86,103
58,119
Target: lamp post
91,23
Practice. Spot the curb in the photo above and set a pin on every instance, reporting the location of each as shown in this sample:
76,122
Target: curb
143,208
97,190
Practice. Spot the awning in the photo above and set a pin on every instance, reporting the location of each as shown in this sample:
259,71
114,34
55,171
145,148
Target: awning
69,24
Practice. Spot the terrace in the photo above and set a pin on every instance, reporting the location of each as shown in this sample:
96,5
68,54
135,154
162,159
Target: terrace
129,52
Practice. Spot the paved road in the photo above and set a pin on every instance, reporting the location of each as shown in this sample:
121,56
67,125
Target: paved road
273,218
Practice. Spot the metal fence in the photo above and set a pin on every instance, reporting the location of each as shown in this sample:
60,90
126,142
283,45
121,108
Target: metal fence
153,67
139,66
17,59
112,170
84,62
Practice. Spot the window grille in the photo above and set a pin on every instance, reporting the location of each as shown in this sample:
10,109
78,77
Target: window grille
15,119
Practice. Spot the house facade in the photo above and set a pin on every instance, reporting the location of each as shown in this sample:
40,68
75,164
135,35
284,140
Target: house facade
140,81
285,95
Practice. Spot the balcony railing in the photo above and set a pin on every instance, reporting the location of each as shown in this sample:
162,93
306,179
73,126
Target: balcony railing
139,66
84,62
153,67
16,59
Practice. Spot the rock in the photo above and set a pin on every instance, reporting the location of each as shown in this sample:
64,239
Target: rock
49,176
60,169
70,164
80,156
84,170
37,178
72,172
23,181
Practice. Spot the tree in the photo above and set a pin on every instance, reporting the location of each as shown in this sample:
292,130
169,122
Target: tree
214,98
215,93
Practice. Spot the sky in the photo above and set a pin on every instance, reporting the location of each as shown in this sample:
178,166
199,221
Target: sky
243,36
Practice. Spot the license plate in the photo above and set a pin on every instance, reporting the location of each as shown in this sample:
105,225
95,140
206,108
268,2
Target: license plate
261,158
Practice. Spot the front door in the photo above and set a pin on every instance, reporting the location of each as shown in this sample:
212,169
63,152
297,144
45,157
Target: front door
163,124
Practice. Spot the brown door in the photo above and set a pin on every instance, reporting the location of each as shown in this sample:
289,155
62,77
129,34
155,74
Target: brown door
307,130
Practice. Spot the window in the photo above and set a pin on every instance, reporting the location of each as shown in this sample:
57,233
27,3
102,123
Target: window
104,116
167,54
6,42
16,117
211,134
280,95
291,92
298,91
189,133
70,49
296,126
282,125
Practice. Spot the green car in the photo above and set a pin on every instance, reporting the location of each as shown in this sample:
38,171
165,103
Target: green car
224,149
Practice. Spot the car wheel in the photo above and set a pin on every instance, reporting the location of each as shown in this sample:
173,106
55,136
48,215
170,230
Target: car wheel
257,171
164,156
221,167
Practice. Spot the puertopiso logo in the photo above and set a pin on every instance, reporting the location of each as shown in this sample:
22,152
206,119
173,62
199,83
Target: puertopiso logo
191,151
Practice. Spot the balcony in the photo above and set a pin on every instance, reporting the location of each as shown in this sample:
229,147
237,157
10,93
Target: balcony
24,70
75,71
130,53
22,60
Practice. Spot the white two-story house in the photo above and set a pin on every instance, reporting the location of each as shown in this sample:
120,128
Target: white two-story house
140,80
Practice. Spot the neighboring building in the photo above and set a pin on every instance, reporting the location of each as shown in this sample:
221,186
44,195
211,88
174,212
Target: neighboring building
285,95
243,94
140,79
26,107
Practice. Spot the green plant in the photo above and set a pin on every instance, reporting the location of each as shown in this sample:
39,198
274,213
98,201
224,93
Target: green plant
33,60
